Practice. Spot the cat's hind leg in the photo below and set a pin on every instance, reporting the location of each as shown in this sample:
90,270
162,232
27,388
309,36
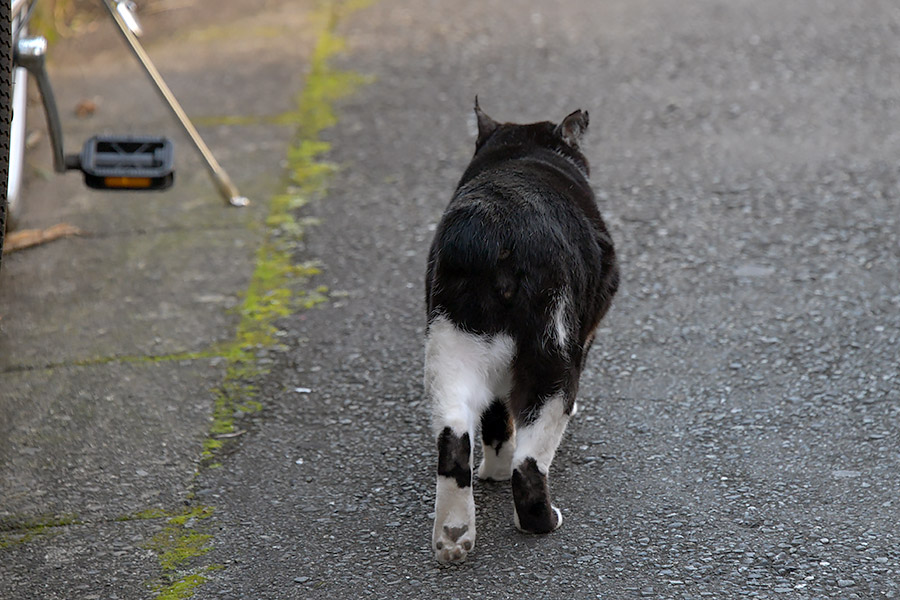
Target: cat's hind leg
535,447
462,371
498,439
453,536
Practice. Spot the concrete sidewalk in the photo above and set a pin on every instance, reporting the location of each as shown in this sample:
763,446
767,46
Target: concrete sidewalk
126,354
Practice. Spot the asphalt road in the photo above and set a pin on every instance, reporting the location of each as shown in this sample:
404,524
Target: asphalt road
739,425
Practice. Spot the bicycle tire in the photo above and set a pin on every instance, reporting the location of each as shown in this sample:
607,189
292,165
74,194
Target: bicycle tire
5,109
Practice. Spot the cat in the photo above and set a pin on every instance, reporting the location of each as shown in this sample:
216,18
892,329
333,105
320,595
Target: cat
520,272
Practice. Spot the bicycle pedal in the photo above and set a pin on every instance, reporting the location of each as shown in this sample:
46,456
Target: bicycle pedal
112,162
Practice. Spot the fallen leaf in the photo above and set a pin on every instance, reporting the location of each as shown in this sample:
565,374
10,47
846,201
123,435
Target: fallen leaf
85,108
26,238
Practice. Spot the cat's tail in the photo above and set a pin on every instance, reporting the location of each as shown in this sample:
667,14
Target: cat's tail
483,273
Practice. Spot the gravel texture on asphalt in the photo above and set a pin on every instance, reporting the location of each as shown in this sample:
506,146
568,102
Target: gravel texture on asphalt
741,408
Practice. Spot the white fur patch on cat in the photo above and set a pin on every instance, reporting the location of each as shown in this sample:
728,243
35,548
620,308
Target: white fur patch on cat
538,440
498,465
560,322
464,373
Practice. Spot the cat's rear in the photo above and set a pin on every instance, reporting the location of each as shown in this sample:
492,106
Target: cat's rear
520,273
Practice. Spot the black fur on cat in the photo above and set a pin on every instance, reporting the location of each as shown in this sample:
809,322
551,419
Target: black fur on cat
520,273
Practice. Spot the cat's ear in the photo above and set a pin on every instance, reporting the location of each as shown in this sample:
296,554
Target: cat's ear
573,127
486,125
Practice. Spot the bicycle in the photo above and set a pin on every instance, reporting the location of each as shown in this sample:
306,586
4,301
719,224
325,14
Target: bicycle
108,162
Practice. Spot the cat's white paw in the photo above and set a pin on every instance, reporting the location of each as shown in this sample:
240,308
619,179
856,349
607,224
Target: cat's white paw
494,470
453,544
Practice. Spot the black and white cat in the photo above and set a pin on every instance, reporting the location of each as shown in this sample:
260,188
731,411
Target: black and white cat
520,272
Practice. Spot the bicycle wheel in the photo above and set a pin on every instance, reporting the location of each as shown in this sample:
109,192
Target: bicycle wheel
5,110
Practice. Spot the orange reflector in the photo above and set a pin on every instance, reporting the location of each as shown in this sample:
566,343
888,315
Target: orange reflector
127,182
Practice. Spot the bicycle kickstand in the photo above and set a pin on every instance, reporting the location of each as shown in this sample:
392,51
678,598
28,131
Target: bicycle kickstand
121,12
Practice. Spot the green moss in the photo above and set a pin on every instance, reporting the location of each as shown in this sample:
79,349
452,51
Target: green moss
183,548
198,512
17,524
15,531
183,588
182,540
215,352
277,287
219,120
251,406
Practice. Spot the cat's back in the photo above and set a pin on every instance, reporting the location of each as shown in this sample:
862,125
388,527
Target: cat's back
511,238
530,206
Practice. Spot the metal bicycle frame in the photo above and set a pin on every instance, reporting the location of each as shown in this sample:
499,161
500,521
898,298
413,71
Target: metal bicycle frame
17,126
